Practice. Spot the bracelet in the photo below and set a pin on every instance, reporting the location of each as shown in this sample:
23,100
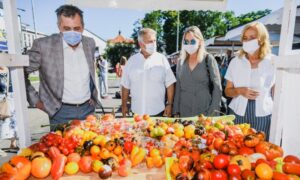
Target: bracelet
167,104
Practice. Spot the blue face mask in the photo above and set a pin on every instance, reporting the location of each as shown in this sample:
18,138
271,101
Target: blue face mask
72,37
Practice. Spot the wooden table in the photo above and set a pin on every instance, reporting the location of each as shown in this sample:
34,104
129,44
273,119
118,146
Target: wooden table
140,173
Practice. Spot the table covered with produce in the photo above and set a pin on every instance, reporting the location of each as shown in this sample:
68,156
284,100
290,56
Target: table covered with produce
147,147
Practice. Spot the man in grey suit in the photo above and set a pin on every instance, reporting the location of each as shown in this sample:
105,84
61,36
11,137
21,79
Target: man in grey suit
65,62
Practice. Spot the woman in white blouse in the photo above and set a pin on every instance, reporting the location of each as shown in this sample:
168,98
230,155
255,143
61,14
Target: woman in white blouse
251,78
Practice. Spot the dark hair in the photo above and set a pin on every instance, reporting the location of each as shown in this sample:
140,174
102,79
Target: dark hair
123,60
68,11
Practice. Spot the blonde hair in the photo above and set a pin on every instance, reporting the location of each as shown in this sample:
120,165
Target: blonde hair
201,51
262,36
144,31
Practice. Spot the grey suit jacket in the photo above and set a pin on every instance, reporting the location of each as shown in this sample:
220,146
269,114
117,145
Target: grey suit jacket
46,56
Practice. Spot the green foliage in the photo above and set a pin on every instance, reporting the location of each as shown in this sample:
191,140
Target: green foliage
114,52
211,23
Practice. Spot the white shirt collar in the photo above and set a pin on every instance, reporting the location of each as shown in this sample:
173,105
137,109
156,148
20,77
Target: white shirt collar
152,55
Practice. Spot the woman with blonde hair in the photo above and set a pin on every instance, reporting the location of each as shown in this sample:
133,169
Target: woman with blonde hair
198,87
251,78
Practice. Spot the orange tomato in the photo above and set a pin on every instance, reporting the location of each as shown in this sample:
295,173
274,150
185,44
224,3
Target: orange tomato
107,117
154,153
149,162
158,161
264,171
167,152
104,154
175,170
73,157
85,164
41,167
146,116
19,167
91,118
118,150
95,150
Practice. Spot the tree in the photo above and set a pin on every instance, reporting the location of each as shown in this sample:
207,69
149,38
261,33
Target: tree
114,52
211,23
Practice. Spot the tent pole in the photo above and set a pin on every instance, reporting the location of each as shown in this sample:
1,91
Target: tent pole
177,34
17,74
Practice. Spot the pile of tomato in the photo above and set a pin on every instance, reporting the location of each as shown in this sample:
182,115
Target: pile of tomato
201,149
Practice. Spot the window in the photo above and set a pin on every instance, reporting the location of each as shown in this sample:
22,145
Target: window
296,38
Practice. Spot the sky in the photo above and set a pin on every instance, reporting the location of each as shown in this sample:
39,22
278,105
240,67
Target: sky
107,22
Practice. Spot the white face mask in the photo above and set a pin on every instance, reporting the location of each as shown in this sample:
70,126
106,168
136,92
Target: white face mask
251,46
150,48
191,49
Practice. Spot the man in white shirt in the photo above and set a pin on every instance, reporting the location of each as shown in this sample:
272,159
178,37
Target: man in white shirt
65,62
103,73
147,75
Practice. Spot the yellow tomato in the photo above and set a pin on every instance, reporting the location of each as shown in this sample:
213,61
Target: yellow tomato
264,171
71,168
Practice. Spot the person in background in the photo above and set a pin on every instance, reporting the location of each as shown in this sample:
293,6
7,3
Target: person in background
196,72
102,64
8,126
119,71
251,79
147,75
120,66
65,62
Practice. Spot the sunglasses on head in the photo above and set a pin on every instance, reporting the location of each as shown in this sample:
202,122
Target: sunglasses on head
191,42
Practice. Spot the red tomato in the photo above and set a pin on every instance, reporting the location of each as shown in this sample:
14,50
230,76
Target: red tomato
218,175
248,174
209,139
221,161
203,164
233,170
246,151
203,174
128,147
218,142
259,161
271,151
251,140
224,149
235,177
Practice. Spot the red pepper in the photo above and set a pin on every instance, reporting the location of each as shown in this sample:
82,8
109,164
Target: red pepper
290,168
58,166
53,152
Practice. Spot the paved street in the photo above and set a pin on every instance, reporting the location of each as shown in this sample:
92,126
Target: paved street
38,118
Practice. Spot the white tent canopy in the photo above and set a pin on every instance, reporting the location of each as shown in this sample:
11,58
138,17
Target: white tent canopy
219,5
272,21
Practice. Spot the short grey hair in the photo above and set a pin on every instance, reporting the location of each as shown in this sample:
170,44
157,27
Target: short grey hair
144,31
68,11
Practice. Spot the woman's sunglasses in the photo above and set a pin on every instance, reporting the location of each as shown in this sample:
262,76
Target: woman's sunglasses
191,42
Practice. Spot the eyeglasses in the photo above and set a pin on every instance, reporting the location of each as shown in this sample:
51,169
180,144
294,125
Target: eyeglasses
191,42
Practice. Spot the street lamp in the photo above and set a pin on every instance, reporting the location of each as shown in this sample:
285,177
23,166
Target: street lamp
33,16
